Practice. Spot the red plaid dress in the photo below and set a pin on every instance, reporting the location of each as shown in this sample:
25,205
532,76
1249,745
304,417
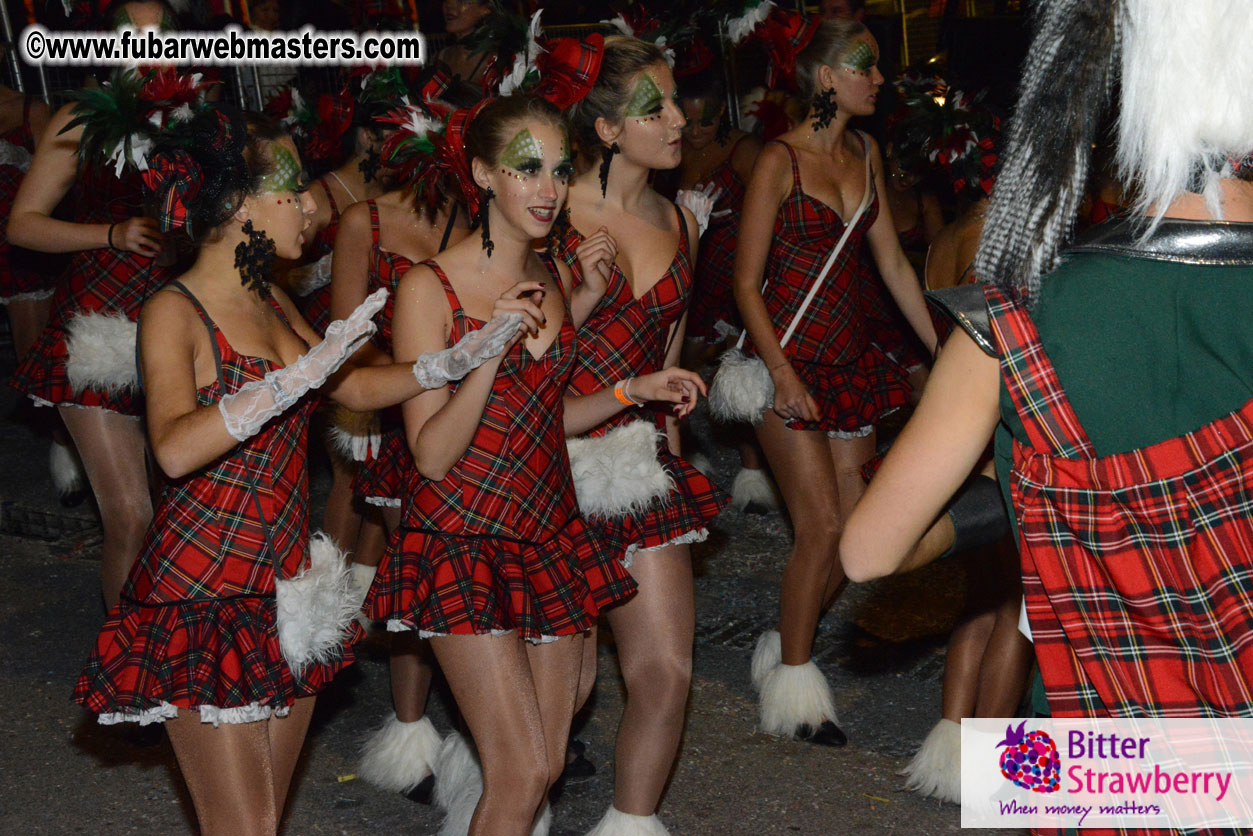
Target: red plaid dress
498,543
627,337
315,307
853,381
23,274
887,326
713,299
381,478
195,626
100,281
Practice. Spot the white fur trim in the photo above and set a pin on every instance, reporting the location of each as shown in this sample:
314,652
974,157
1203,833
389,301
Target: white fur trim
251,713
767,655
100,350
398,756
742,389
458,784
1185,79
754,487
355,436
696,535
315,607
701,462
33,296
617,474
793,696
935,771
383,501
618,823
66,469
307,278
360,580
545,821
739,28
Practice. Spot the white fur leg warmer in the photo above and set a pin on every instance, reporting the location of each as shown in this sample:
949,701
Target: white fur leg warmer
617,823
767,656
754,487
458,784
793,696
618,473
545,821
100,349
66,469
936,770
362,578
399,755
315,607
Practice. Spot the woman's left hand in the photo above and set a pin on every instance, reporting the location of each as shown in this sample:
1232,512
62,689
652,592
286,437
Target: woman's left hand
673,385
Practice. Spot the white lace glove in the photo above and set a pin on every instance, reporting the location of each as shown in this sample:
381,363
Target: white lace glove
437,368
307,278
246,411
700,201
14,155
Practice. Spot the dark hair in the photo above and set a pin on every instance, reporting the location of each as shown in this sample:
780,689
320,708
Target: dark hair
706,84
230,149
832,40
489,132
624,58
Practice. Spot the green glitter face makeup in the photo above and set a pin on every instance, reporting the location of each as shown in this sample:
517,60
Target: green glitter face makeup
286,174
861,60
646,101
708,113
524,153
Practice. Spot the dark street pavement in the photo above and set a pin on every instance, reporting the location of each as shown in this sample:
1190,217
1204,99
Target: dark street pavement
882,646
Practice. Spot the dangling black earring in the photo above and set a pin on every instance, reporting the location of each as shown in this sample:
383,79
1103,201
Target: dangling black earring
557,235
480,218
606,158
254,259
369,165
824,108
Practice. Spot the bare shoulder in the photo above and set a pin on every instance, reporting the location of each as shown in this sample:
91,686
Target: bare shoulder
690,226
355,219
773,169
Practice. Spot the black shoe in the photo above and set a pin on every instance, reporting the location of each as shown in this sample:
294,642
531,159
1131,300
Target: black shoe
424,792
73,499
578,767
828,734
144,737
759,510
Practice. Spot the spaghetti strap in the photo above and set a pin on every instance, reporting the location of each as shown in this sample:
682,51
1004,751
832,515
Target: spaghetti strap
375,232
330,196
458,313
796,169
1047,415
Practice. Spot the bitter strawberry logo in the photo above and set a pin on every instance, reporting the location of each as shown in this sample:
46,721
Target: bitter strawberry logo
1030,759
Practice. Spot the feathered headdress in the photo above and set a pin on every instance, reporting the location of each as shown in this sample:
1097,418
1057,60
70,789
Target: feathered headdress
674,31
939,129
122,119
784,35
409,151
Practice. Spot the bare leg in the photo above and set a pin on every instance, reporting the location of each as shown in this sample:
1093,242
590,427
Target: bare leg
490,677
341,521
654,634
113,453
411,669
371,537
27,318
238,774
847,456
805,474
555,670
587,673
1007,658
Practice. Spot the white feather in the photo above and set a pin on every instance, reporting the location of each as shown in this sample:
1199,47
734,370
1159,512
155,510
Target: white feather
1186,69
315,607
739,28
524,61
100,349
618,473
307,278
619,23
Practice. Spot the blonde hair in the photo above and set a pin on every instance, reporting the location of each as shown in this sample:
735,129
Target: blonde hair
833,39
623,59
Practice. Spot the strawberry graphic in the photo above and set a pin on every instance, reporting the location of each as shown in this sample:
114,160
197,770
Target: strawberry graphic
1030,759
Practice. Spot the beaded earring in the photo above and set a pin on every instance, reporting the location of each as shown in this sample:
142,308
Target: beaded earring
606,159
480,218
255,258
824,107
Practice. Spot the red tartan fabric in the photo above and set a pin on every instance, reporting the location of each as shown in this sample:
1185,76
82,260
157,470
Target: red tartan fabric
853,381
627,337
887,326
195,625
316,306
22,272
97,281
383,476
497,544
1136,566
713,299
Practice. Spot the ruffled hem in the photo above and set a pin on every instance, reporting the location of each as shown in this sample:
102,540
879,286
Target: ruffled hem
221,654
397,626
698,535
855,396
380,479
251,713
441,584
28,296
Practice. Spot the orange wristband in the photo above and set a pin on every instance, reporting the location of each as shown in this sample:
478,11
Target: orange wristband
619,392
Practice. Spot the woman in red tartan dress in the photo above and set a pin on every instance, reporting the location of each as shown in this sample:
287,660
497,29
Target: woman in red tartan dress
831,383
25,290
641,249
1117,372
379,241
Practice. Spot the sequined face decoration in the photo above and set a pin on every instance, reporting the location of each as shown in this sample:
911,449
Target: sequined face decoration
523,158
861,60
285,176
646,100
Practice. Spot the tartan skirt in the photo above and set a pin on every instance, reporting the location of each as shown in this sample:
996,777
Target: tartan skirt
104,281
853,396
220,653
681,517
381,479
442,584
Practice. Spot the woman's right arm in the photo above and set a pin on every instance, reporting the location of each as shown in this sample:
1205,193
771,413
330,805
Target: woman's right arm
769,185
184,435
350,281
